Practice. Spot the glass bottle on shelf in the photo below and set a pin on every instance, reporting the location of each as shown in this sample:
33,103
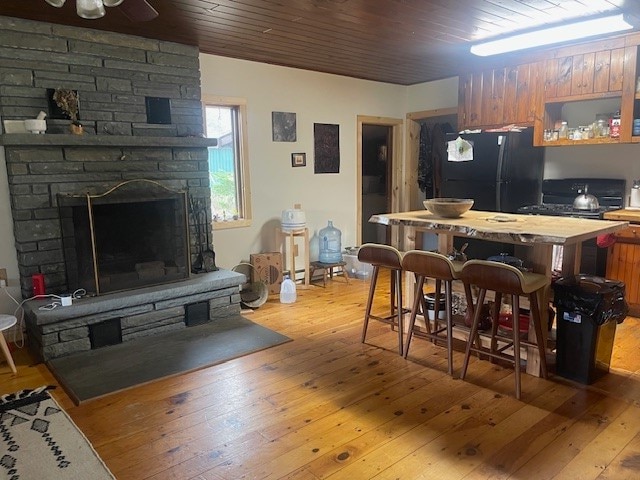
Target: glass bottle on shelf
563,130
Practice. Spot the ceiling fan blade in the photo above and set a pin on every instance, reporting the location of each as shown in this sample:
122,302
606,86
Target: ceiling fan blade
138,10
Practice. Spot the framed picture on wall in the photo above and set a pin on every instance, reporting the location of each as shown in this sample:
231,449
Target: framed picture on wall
326,144
283,126
298,159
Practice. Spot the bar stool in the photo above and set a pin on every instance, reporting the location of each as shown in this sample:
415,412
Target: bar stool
504,279
384,256
432,265
6,322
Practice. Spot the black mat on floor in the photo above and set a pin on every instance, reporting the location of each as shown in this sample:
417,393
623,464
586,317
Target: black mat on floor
106,370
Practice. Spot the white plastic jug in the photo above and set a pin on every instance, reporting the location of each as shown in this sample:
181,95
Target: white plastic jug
287,290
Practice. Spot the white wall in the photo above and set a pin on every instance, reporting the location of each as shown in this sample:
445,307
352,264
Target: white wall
594,161
433,95
275,185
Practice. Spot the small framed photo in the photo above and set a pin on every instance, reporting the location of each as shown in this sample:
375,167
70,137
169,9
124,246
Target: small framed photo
298,159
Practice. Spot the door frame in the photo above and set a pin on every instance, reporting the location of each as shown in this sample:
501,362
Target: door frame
396,169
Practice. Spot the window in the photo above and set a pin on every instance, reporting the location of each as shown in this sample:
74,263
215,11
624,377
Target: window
225,120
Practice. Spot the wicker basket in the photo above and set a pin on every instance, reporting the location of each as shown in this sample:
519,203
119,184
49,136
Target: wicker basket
252,294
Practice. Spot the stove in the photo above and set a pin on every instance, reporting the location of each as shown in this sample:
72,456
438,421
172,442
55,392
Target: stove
558,196
565,210
557,200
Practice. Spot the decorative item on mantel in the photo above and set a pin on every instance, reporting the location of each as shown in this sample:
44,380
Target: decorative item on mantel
68,101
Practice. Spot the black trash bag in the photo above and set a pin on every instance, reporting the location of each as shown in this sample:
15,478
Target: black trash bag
596,297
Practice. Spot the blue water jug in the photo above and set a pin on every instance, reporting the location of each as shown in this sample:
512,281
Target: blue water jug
330,244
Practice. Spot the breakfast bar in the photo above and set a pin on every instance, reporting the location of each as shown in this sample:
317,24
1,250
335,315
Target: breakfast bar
539,233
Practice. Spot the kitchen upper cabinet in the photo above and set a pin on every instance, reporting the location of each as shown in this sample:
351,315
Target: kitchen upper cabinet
583,86
500,96
583,74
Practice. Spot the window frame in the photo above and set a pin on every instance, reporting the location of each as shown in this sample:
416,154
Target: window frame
242,164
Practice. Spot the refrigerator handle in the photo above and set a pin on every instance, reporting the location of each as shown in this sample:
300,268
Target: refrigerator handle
501,139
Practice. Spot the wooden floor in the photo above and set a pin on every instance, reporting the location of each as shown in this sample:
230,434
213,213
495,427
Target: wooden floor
328,406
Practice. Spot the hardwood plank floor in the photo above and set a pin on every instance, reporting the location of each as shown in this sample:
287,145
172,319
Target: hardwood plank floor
328,406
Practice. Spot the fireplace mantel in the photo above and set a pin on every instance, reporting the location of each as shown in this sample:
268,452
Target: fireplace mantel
46,140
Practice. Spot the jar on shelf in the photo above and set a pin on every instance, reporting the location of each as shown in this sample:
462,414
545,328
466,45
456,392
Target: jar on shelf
563,131
614,125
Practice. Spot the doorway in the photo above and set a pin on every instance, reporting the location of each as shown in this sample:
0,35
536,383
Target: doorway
376,176
379,161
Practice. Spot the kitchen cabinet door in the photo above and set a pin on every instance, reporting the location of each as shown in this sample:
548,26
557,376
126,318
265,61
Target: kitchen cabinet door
623,263
500,96
583,74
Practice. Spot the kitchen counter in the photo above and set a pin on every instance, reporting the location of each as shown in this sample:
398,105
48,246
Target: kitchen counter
504,227
539,233
626,214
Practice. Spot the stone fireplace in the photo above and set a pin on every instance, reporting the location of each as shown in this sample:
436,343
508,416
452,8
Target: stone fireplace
143,240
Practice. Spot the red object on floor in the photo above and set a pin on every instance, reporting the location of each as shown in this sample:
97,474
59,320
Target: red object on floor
505,320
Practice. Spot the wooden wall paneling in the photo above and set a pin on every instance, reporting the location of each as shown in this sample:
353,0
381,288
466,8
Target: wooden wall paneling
577,66
616,75
475,107
509,109
628,87
565,67
588,72
523,94
493,96
538,104
464,100
602,71
551,78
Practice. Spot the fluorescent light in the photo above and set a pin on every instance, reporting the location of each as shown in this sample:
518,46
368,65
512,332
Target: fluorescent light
551,35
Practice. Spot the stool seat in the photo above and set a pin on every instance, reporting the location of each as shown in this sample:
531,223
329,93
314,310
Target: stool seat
433,265
504,279
6,322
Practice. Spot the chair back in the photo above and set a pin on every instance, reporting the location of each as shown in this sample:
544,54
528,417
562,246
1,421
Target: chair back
380,255
494,276
430,264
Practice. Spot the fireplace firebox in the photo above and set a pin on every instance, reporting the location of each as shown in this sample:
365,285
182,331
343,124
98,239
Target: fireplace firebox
133,235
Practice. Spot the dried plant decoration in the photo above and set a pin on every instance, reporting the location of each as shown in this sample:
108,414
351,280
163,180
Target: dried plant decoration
67,100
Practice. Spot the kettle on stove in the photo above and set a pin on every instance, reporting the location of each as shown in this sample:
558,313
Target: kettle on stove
586,201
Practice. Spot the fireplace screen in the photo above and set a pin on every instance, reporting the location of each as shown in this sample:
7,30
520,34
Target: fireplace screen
134,235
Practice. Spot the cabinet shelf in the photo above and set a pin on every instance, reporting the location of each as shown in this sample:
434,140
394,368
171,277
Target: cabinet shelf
590,141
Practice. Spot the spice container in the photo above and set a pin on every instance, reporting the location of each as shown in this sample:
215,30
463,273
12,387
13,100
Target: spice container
563,130
614,125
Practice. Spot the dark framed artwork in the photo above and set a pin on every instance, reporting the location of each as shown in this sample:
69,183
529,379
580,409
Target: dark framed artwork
298,159
283,126
326,145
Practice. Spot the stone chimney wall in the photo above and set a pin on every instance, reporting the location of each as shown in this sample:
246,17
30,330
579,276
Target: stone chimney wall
113,73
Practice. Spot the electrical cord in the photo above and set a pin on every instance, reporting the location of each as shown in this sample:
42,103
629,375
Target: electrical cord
19,311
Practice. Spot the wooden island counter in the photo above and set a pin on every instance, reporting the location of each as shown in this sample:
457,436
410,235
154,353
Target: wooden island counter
540,233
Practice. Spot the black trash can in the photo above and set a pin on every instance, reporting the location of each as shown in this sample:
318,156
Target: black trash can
588,309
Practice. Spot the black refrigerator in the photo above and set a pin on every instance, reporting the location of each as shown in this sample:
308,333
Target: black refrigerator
505,174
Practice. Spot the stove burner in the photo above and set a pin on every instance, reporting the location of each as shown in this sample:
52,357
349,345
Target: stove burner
563,210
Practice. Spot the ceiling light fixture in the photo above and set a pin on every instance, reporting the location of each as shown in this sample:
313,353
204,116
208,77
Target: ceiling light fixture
89,9
551,35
